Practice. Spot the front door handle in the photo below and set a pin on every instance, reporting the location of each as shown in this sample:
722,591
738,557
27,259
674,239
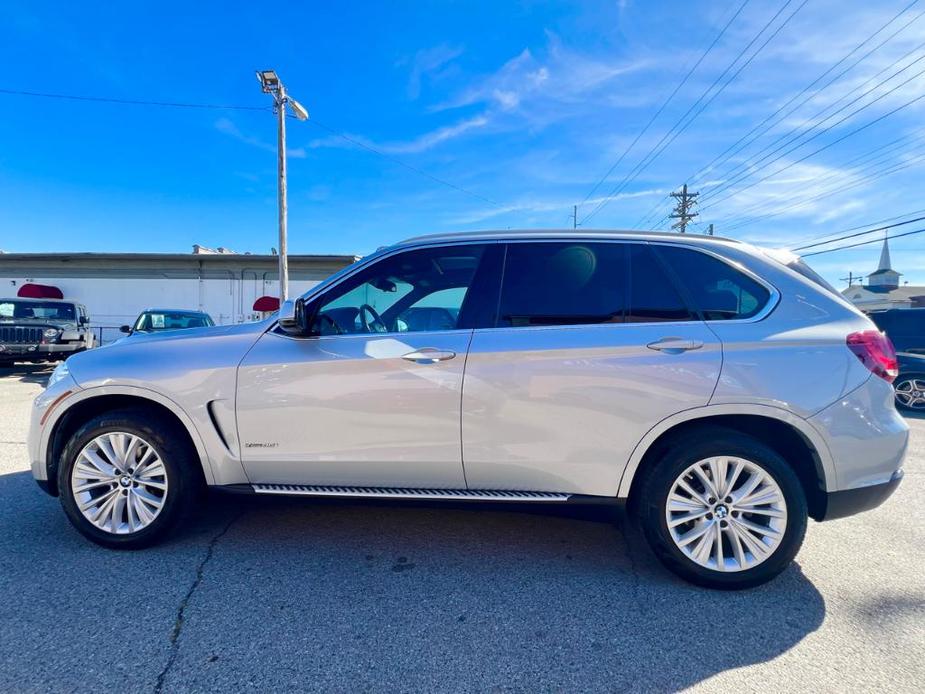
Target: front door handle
428,355
674,345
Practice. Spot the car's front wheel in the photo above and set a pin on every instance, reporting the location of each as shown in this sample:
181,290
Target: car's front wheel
126,478
723,510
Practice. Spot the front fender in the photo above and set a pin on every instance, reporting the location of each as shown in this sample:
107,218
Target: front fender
209,463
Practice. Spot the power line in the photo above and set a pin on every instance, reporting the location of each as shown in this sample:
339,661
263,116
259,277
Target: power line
226,107
677,129
133,102
667,101
732,150
860,226
860,233
825,147
864,243
835,190
747,167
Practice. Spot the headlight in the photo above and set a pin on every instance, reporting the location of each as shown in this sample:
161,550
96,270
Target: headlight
50,333
61,372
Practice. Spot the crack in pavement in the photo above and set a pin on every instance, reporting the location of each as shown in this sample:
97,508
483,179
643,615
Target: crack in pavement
181,609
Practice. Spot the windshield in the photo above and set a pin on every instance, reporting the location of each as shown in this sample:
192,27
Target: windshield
153,321
37,310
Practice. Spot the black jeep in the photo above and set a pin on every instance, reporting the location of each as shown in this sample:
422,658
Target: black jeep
39,330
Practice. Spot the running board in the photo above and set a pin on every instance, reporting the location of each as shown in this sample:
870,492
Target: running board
401,493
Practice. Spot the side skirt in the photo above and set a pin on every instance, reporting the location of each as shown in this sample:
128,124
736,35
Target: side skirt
417,494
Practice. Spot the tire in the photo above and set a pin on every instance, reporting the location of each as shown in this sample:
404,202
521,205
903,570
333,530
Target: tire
154,498
911,384
751,555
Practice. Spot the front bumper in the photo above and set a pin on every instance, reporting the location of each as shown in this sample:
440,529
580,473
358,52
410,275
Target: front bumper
25,351
848,502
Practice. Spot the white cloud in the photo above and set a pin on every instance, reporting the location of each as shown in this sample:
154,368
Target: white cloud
429,63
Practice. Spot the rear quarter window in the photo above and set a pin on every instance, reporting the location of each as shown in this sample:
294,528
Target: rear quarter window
716,289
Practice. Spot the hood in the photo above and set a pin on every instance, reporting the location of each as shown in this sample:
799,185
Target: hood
174,357
196,333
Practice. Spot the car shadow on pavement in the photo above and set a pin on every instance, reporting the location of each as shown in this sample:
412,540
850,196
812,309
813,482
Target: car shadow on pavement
28,373
300,594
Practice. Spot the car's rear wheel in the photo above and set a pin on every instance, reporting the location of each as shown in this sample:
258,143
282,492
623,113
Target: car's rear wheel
910,392
126,477
723,510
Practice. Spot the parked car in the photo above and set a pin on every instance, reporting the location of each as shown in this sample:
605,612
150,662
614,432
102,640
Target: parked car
154,320
725,394
910,384
904,326
40,330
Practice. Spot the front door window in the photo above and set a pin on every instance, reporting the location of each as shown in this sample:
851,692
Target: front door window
416,291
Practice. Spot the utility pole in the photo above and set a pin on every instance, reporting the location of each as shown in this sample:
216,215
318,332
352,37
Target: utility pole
574,216
851,279
710,229
682,211
271,84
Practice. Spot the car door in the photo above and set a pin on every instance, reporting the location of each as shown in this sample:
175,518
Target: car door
592,347
372,396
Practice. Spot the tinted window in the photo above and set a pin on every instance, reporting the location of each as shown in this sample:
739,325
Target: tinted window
653,297
171,320
717,290
563,284
415,291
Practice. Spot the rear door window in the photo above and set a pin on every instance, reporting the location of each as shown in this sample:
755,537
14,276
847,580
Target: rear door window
717,290
653,297
563,283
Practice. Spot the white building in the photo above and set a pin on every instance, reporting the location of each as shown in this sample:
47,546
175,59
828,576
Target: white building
116,287
883,289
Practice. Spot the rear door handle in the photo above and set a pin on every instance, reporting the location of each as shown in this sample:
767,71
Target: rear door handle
674,345
429,355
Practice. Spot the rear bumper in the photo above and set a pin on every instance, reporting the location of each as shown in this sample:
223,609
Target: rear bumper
848,502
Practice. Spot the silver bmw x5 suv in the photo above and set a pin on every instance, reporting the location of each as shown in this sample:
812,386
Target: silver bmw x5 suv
724,393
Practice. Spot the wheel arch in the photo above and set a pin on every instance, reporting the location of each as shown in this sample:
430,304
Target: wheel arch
86,404
792,437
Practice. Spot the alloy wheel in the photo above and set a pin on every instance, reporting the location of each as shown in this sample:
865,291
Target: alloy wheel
726,513
910,392
119,483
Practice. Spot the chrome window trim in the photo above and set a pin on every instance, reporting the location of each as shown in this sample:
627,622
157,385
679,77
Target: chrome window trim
770,305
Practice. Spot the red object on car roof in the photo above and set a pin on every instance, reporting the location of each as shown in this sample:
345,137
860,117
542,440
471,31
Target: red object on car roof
39,291
265,304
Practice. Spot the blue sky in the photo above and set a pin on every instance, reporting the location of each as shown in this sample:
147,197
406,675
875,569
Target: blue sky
527,104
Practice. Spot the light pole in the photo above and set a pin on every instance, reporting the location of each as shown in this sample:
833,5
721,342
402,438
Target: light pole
271,84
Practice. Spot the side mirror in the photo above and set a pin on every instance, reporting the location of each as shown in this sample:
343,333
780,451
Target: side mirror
294,318
125,329
84,320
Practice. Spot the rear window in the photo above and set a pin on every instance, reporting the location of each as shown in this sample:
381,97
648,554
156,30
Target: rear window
717,289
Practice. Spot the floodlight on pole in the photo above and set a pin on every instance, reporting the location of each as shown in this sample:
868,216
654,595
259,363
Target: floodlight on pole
271,84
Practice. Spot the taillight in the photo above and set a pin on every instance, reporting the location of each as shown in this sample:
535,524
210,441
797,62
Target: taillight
876,352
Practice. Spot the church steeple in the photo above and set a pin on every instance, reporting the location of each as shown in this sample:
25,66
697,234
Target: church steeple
885,256
885,278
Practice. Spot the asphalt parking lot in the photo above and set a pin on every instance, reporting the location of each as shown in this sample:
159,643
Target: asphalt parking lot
270,594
